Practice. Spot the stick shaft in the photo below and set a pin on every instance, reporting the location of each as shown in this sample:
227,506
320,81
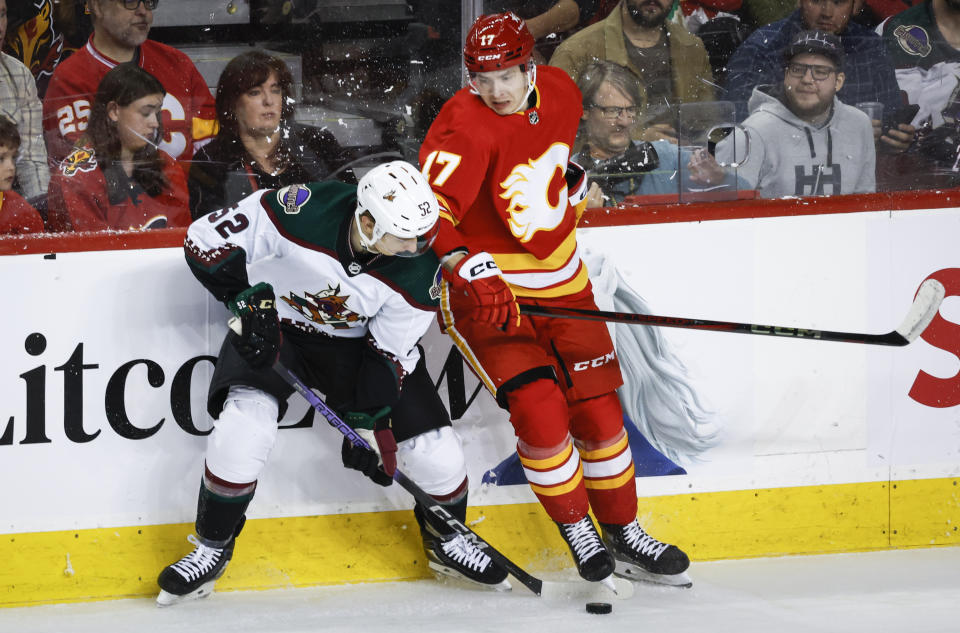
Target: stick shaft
429,503
891,338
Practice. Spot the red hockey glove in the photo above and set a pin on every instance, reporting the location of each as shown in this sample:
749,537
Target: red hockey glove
478,277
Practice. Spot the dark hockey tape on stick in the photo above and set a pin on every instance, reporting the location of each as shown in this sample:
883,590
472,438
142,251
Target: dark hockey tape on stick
532,583
924,308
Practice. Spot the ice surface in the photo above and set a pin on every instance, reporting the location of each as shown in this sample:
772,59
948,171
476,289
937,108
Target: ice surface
909,591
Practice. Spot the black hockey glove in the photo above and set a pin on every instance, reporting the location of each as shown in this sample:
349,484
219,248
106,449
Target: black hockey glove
367,462
380,463
259,340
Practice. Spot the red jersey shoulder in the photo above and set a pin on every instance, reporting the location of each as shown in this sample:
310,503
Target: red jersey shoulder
558,91
81,159
78,74
166,63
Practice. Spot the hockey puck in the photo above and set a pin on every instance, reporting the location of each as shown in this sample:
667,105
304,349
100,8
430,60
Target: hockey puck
599,607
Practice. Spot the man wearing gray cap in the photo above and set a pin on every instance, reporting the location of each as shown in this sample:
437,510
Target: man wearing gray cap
800,140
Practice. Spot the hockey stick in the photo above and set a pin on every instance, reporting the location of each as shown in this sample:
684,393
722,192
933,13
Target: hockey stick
532,583
924,308
620,588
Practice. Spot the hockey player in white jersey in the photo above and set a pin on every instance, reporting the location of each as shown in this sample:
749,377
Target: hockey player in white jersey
338,282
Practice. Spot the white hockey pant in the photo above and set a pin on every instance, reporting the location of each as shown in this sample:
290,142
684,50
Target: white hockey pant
243,436
434,461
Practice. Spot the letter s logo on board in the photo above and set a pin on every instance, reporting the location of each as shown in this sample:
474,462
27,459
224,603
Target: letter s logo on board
930,390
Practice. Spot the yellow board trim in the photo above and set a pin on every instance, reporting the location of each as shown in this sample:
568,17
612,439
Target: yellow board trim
109,563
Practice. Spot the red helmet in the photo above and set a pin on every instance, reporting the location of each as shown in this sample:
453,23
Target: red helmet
496,42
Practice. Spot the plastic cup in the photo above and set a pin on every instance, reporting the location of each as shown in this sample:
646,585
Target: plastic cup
874,109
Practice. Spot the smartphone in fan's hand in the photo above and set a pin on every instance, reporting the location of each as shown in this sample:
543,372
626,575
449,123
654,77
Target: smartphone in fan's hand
903,114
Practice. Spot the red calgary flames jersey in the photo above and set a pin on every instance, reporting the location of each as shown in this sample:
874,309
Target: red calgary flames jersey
501,181
189,111
17,216
80,199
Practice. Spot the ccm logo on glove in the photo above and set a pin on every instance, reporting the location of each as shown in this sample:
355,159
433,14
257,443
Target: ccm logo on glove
481,269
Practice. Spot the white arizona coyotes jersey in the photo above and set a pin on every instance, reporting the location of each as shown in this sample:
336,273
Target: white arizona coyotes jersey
296,239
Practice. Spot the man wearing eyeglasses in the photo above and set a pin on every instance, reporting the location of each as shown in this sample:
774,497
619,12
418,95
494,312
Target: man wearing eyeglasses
622,166
869,70
803,141
120,30
672,64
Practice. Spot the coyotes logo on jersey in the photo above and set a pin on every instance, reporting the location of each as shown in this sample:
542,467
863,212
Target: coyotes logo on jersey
80,159
527,187
326,307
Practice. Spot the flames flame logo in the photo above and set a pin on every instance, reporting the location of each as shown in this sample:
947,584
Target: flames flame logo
36,42
527,187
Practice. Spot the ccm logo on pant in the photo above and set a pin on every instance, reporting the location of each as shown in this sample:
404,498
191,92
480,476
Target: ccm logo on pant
596,362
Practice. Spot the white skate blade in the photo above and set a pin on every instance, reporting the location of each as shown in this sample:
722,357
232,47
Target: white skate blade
446,574
635,572
584,590
166,599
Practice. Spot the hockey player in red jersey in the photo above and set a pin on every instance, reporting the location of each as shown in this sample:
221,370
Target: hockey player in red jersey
497,157
120,35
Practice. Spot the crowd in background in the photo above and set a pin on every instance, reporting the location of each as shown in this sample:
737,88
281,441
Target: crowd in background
104,127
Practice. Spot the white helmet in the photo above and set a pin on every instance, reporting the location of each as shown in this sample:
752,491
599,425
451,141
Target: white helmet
403,206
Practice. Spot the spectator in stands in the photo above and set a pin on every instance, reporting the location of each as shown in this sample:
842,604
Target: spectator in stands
120,29
922,42
16,214
671,62
868,68
874,12
259,146
619,166
696,12
118,177
718,25
757,13
43,33
548,20
803,141
19,103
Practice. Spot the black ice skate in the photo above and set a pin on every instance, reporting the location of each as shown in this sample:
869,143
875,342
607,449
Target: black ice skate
460,558
194,575
639,556
593,560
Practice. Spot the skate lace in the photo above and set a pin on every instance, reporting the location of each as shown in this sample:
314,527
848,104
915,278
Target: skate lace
583,538
465,553
639,540
198,562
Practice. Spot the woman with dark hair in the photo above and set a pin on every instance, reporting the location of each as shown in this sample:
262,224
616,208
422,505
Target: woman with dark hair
259,146
116,177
